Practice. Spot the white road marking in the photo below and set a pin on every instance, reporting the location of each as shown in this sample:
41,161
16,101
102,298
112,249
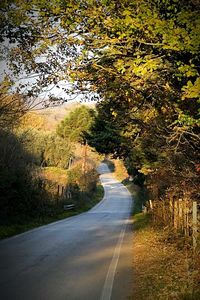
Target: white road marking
108,284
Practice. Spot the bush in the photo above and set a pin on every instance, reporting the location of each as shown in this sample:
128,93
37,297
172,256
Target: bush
47,149
57,151
82,185
19,193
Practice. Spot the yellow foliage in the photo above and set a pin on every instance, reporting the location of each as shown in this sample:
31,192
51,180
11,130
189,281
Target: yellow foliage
146,170
149,114
12,108
33,120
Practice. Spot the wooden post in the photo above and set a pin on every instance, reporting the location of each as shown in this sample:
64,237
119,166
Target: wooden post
180,213
175,213
184,217
187,216
151,204
58,190
171,207
194,224
70,162
62,193
67,192
163,211
84,165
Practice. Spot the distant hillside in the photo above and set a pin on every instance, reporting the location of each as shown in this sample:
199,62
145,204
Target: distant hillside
53,115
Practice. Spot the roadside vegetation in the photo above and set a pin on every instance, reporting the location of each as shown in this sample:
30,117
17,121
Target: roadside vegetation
41,171
162,268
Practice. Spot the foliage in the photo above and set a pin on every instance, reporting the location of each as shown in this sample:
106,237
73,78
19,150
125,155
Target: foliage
55,174
12,107
19,194
138,47
76,124
32,120
81,180
47,148
57,152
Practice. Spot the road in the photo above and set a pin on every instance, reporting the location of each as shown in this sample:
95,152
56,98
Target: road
85,257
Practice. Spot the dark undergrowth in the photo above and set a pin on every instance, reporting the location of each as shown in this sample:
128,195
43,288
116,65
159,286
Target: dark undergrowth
21,224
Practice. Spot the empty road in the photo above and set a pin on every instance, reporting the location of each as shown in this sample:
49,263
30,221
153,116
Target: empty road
86,257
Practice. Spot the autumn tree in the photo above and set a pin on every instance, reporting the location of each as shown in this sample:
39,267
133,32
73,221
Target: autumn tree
12,106
140,57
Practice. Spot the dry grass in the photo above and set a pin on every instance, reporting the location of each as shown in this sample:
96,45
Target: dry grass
120,170
55,174
161,270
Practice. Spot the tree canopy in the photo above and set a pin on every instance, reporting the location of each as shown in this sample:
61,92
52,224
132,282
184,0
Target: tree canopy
141,58
76,124
147,47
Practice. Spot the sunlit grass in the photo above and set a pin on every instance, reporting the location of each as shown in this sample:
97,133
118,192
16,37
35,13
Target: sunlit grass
161,270
55,174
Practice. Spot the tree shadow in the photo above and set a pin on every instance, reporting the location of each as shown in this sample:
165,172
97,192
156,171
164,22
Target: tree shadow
19,190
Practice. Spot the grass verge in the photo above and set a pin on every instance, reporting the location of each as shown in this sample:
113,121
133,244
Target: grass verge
161,270
139,195
22,224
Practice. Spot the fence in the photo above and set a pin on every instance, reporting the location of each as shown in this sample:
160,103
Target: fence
57,191
181,214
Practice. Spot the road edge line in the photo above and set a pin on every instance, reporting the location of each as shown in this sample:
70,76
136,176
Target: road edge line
108,284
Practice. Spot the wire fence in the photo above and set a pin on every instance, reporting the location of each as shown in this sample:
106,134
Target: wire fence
183,215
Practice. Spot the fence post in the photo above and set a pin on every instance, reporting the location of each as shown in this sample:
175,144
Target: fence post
184,217
151,204
194,224
163,211
62,193
175,214
187,217
186,222
171,207
181,214
58,190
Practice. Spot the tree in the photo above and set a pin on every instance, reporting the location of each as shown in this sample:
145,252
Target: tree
140,57
46,149
19,193
143,46
57,152
12,107
32,120
73,127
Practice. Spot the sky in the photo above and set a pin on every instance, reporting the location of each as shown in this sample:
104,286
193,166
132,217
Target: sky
51,89
25,79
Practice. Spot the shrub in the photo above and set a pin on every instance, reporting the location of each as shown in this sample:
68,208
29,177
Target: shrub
19,193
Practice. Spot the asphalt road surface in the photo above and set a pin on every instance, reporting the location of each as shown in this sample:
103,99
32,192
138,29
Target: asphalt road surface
86,257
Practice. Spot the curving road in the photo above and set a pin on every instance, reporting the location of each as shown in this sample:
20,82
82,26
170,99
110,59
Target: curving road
86,257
